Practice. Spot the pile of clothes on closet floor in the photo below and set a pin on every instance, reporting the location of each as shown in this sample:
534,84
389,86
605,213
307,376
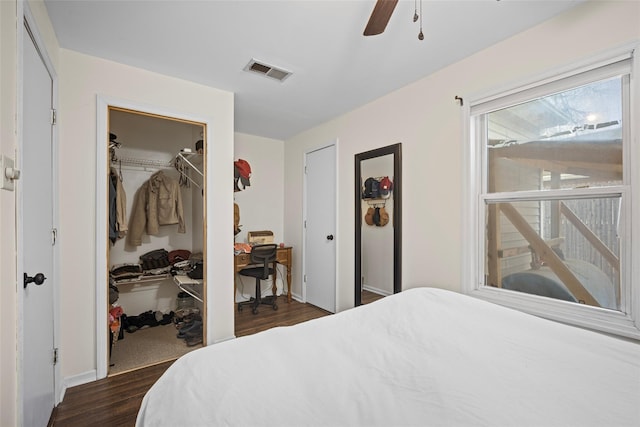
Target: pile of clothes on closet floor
148,319
187,321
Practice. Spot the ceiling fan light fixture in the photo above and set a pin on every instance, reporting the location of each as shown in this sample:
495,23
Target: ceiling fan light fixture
382,13
260,67
420,35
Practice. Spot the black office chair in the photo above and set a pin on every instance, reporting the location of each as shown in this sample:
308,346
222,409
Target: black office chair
261,257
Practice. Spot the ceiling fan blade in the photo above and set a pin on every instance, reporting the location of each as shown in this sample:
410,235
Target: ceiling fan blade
380,17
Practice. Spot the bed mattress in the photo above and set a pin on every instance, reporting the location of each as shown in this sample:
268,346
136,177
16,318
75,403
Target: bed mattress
421,357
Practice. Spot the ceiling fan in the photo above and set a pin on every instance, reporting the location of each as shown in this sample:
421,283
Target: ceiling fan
380,17
382,13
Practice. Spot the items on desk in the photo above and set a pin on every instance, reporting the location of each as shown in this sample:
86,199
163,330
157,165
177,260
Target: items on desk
260,237
241,248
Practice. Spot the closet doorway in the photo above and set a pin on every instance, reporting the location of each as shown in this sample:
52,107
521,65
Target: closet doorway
155,238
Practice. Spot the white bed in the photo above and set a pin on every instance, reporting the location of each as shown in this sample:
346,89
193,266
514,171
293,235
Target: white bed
421,357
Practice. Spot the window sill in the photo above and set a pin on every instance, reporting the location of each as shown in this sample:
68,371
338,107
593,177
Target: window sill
592,318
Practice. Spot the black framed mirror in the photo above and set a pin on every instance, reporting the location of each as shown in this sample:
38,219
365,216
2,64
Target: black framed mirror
370,230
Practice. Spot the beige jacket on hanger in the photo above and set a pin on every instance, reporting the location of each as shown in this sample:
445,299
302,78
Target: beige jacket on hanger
157,202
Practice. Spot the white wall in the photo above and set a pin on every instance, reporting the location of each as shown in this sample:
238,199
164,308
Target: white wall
82,79
11,18
261,204
427,120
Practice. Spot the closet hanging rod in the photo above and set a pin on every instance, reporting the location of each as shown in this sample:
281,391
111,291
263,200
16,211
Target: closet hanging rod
144,162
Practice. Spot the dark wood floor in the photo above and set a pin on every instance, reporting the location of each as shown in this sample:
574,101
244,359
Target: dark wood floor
115,401
369,297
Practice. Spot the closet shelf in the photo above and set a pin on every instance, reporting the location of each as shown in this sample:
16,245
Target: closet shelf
191,286
143,279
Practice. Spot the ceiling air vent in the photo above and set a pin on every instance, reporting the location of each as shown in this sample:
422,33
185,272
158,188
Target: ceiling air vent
267,70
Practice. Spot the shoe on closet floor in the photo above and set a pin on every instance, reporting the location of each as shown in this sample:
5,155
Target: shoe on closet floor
194,332
196,324
191,341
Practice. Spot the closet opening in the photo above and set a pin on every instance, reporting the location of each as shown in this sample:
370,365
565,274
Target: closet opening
156,237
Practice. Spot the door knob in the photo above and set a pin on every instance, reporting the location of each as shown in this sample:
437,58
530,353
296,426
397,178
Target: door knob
38,279
330,237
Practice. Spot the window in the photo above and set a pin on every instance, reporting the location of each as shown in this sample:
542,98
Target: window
550,198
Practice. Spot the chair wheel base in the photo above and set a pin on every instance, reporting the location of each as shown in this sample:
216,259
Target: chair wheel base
255,303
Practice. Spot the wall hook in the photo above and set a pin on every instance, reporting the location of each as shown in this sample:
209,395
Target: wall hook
457,98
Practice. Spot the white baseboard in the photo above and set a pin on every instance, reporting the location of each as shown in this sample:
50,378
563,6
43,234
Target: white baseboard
376,290
83,378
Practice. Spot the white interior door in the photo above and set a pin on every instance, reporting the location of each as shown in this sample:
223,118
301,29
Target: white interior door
36,225
320,220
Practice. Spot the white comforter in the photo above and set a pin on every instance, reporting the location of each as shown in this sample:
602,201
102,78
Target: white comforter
424,357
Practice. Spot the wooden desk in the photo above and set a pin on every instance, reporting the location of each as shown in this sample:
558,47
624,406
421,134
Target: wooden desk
283,256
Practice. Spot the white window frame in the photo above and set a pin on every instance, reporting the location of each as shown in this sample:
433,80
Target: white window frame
625,323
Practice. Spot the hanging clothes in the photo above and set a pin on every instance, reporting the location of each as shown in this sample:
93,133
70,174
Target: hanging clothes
157,202
117,207
113,229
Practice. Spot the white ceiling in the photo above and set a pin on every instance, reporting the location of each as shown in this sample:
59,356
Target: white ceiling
335,68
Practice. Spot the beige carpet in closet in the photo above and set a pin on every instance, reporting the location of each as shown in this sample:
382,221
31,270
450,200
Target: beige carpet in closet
147,347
